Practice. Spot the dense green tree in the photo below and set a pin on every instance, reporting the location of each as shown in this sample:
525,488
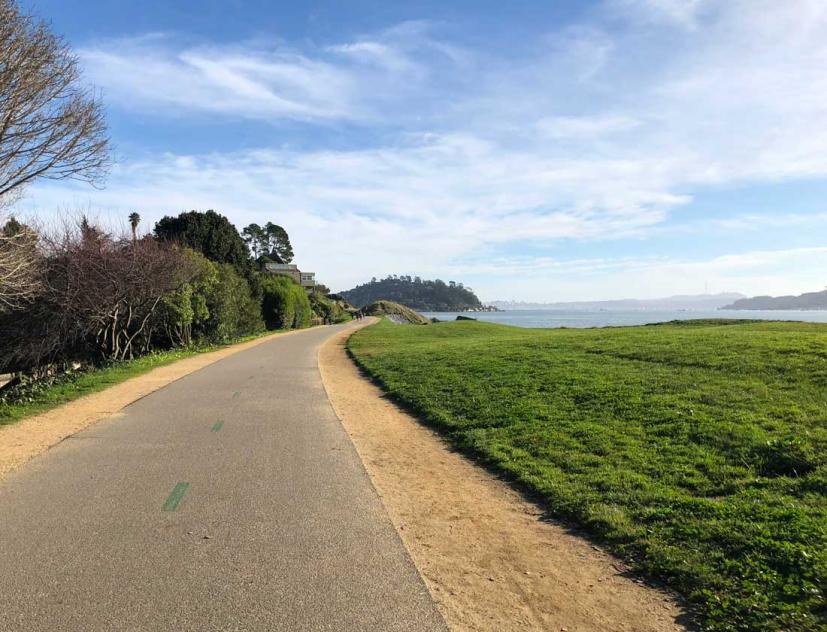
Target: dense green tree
184,313
279,242
209,233
253,236
233,310
217,306
268,243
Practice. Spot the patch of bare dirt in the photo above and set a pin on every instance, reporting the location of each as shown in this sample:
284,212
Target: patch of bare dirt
22,441
489,559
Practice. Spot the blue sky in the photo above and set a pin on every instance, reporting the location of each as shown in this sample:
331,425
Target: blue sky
533,150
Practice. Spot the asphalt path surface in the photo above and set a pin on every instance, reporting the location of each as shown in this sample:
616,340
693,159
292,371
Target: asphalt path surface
231,499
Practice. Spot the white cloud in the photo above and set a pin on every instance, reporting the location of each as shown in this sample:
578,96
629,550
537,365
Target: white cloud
268,80
249,85
775,272
584,127
682,13
597,133
422,207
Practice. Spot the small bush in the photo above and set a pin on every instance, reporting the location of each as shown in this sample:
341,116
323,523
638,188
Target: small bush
233,310
284,303
327,310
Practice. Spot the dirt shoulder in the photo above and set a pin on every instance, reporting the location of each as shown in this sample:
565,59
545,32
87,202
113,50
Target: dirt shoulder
22,441
488,558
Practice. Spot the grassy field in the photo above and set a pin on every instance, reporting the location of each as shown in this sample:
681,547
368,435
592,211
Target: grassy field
697,451
31,399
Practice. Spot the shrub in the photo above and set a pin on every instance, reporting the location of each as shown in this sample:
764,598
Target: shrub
98,302
233,312
327,310
284,303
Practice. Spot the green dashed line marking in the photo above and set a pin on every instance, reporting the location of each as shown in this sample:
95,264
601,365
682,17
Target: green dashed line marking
175,497
237,393
217,426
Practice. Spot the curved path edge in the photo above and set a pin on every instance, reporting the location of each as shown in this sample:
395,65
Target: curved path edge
231,499
489,559
22,441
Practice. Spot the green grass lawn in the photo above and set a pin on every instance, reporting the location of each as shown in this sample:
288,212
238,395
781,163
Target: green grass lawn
697,451
27,400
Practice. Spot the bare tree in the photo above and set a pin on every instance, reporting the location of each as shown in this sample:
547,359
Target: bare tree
114,285
20,266
98,298
51,125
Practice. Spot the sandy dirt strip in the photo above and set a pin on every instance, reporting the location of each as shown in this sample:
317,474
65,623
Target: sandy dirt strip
489,559
22,441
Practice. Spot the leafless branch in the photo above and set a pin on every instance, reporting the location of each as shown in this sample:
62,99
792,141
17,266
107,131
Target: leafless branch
51,125
98,297
20,266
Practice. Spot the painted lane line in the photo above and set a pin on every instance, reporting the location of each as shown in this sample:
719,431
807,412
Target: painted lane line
236,394
217,426
175,497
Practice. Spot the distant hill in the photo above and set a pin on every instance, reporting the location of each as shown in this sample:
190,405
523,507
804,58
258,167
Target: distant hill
808,301
688,302
413,292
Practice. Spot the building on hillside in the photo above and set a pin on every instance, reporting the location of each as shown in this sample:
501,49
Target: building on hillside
306,279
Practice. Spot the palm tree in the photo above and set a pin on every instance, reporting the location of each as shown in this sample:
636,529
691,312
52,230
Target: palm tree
134,220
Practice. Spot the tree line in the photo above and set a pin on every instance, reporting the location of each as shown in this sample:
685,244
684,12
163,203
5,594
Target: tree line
93,297
83,295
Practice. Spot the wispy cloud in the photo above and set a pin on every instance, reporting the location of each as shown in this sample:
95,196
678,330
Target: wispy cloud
244,82
268,80
596,133
789,271
680,13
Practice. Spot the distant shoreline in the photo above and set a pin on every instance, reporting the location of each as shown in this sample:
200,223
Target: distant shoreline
773,309
642,309
584,318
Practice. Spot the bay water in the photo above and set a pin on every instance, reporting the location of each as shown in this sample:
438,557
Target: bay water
600,318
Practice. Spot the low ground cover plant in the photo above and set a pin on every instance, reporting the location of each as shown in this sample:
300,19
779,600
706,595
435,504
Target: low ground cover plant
696,450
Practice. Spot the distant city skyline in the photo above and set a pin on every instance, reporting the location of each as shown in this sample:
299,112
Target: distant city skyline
536,152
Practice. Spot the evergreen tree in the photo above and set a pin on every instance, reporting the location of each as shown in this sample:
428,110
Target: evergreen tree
209,233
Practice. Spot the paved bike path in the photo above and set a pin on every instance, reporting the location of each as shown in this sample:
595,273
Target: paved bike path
231,499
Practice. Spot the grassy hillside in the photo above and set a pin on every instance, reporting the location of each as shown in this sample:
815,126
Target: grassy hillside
698,450
396,311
